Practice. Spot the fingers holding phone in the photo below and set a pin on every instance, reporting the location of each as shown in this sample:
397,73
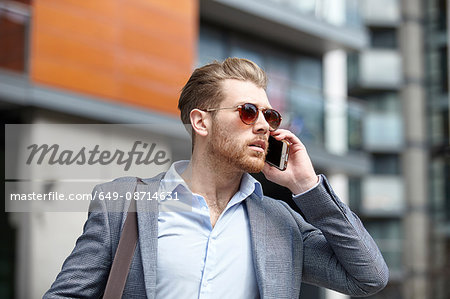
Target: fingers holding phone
297,170
278,153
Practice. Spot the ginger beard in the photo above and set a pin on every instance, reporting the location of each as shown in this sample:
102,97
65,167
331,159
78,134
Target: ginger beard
233,152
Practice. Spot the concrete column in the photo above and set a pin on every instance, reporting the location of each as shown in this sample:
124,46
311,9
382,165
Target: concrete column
336,140
335,89
415,156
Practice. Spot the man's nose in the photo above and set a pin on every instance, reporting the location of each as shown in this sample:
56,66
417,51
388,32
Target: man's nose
261,125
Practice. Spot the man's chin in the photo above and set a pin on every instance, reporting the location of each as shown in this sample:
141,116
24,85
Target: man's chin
253,165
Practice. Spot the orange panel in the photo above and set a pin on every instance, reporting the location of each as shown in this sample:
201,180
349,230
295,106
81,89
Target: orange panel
150,97
173,7
93,29
158,47
79,52
76,78
137,52
96,8
154,23
142,69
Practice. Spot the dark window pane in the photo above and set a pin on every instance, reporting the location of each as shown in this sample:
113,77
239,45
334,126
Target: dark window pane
384,38
13,36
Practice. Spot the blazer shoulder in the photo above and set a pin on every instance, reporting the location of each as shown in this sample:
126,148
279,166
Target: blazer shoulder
277,207
126,181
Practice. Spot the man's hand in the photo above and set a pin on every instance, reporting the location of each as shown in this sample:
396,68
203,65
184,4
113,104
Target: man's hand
299,175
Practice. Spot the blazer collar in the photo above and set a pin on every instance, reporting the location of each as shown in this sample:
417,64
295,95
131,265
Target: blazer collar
256,216
147,216
277,257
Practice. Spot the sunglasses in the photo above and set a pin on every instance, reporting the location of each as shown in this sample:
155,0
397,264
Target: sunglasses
249,112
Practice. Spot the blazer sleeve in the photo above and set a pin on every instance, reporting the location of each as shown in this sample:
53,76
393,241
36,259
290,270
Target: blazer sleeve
85,272
339,253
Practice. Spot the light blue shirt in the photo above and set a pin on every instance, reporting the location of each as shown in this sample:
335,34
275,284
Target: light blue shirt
196,260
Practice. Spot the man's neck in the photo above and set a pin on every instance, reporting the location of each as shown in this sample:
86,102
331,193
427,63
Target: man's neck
216,183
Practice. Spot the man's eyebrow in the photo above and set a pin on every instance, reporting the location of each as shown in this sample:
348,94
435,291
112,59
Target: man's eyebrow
250,102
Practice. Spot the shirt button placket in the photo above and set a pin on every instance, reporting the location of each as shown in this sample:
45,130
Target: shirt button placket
208,268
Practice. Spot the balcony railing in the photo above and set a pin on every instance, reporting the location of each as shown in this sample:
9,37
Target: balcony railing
334,12
309,109
383,132
375,69
381,12
382,195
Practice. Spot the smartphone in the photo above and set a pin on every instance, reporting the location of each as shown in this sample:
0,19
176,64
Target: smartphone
278,153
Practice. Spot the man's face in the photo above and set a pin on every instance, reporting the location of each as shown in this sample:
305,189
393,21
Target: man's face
236,144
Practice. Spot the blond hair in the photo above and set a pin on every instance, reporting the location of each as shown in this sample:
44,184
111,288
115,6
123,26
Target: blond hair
203,89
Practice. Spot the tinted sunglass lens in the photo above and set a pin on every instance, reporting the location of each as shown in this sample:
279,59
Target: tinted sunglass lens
249,113
273,118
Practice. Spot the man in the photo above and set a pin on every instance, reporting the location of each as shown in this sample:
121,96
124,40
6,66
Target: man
231,241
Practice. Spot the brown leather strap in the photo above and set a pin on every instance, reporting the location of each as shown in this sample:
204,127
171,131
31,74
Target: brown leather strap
124,255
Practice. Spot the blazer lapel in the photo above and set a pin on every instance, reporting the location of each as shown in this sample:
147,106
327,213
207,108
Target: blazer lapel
257,219
147,216
275,259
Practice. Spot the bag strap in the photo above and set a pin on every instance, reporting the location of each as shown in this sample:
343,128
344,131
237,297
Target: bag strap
124,254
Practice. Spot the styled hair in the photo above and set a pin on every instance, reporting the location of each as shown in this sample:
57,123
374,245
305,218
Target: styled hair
203,90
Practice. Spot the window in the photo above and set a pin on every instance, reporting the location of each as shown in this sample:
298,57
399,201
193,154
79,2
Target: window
14,26
386,164
443,63
211,46
295,80
388,235
384,38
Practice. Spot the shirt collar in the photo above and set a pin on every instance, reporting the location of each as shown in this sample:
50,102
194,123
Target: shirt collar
173,179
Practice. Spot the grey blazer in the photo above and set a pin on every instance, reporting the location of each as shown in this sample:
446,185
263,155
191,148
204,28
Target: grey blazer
330,248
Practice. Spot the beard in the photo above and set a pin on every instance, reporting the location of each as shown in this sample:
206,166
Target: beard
232,153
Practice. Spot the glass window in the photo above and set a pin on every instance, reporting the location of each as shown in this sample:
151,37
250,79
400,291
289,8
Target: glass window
295,81
307,118
440,189
385,102
211,46
14,25
278,72
354,193
388,235
384,38
244,52
355,117
443,58
352,12
352,70
442,21
386,164
308,72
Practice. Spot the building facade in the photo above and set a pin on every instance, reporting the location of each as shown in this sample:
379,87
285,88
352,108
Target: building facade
351,78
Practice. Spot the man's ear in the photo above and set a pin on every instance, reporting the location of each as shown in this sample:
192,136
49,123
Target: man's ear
200,121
